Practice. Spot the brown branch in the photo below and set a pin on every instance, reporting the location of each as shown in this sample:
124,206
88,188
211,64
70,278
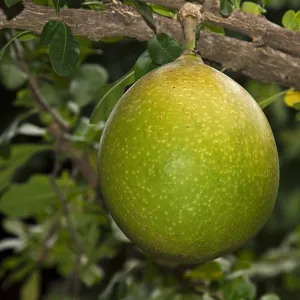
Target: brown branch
261,30
262,63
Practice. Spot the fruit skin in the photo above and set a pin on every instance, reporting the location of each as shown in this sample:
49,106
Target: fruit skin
188,164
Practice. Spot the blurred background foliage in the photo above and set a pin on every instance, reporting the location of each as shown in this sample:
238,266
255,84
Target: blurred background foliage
39,259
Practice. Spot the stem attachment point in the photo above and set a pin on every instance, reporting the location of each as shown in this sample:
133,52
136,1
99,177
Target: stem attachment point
190,15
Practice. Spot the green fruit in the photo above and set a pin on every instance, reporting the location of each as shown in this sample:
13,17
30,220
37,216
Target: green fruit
188,165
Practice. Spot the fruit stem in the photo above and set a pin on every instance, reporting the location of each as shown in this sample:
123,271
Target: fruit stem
189,27
190,15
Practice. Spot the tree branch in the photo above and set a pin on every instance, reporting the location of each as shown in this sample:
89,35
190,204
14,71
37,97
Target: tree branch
264,64
261,63
261,30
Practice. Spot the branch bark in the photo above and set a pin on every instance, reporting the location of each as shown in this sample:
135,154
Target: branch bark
261,30
261,63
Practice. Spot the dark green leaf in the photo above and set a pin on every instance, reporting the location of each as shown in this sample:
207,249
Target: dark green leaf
18,275
49,32
58,4
64,50
23,200
19,155
143,65
163,49
11,75
31,288
145,10
10,3
238,289
110,95
50,94
86,82
226,8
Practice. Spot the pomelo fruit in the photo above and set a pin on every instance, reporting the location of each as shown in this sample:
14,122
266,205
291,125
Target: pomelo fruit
187,163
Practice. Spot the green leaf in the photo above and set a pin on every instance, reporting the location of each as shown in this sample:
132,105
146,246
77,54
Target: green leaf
145,10
270,297
110,95
226,8
49,32
238,289
11,75
251,8
16,36
27,199
91,275
25,37
10,3
30,290
11,244
236,3
266,102
209,271
214,28
58,4
64,49
163,49
25,99
19,155
86,82
290,20
163,11
264,2
14,226
144,65
31,130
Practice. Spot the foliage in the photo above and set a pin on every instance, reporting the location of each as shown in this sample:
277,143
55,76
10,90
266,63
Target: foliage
43,208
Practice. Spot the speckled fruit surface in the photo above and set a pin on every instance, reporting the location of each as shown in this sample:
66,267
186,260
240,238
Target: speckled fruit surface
187,163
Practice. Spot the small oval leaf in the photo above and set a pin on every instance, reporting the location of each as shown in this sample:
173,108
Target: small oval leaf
226,8
110,95
64,51
144,65
164,49
49,32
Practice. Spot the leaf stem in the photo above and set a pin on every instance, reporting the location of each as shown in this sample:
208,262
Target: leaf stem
263,104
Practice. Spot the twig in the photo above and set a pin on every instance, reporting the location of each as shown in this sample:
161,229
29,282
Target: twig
46,243
35,89
70,226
